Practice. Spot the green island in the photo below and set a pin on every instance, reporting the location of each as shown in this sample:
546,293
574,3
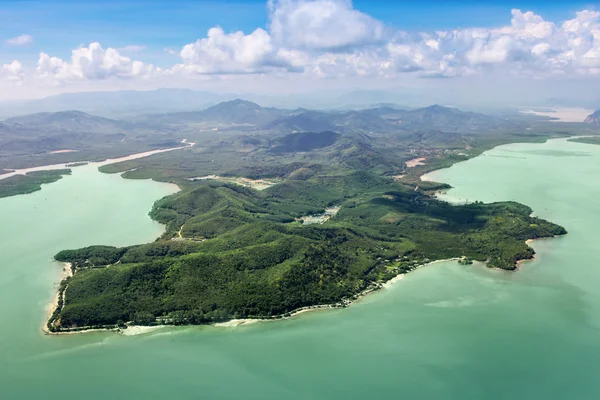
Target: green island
30,182
269,223
232,252
76,164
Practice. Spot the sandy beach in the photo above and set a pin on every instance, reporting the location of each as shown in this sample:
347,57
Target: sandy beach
237,322
65,273
135,330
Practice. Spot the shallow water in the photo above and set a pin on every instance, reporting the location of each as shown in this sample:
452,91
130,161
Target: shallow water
444,332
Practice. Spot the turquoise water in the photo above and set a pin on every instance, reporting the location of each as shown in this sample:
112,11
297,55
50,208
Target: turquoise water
443,332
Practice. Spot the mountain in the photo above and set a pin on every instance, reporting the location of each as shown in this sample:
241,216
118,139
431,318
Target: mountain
66,121
233,112
450,119
593,118
42,134
241,112
382,120
117,104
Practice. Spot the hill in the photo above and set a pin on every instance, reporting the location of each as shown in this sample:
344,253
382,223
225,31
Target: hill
119,104
450,119
234,112
593,118
304,141
75,121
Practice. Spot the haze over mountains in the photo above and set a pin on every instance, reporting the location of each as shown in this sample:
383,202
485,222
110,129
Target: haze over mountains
128,103
241,123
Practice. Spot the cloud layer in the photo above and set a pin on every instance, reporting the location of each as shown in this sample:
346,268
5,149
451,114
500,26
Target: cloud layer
332,39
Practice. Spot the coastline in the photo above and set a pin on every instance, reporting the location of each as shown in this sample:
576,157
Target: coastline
108,161
519,263
66,272
134,330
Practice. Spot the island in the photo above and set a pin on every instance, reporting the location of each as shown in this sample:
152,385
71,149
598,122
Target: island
279,211
232,252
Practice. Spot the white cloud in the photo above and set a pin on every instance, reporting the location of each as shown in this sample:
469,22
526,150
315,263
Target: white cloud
223,53
94,63
21,40
13,71
331,39
321,24
133,48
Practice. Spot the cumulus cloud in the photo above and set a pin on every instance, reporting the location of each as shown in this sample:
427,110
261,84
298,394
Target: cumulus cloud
330,39
94,63
228,53
322,24
13,71
21,40
300,33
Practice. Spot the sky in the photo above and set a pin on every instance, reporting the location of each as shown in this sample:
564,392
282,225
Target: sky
474,49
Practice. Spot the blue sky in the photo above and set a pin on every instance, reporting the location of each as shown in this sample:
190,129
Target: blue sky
362,40
59,26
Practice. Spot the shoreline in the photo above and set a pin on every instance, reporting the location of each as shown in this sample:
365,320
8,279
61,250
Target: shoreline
134,330
108,161
426,178
53,305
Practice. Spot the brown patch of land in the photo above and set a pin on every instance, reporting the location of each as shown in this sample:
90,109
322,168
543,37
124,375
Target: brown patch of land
258,184
415,162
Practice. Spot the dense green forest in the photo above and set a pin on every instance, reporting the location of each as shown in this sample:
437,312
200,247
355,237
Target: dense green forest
234,252
30,182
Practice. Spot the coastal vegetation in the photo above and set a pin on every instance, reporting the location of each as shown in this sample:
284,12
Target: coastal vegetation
30,182
586,140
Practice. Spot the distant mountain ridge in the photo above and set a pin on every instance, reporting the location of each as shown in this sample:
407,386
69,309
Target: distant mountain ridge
228,112
46,132
593,118
70,120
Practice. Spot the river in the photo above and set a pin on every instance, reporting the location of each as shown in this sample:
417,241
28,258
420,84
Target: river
443,332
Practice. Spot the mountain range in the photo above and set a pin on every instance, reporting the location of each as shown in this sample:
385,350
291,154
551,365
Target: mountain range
48,132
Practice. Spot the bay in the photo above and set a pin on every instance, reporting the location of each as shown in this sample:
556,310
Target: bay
443,332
